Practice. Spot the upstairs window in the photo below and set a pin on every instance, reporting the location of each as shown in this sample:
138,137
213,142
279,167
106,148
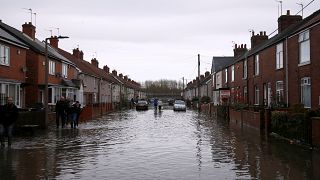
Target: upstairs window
245,69
232,73
52,67
304,47
226,75
279,56
64,70
4,55
256,64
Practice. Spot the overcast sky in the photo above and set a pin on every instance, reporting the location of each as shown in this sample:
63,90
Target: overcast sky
151,39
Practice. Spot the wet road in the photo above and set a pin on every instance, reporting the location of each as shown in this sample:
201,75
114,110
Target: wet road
155,145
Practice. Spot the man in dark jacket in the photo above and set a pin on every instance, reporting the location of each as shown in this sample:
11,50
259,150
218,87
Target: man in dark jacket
9,115
61,112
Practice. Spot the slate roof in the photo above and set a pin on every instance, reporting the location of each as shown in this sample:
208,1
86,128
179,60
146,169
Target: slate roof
35,45
4,36
219,63
87,68
291,30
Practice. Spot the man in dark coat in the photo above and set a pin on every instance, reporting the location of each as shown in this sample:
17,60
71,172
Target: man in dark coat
61,112
9,115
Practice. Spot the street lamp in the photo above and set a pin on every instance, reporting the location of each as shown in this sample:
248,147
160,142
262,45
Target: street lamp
46,76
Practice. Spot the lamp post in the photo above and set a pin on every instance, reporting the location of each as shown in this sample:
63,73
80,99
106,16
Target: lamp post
46,77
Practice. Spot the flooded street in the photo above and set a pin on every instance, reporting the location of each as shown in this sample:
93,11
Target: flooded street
155,145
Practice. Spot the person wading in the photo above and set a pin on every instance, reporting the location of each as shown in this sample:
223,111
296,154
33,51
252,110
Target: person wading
61,112
9,115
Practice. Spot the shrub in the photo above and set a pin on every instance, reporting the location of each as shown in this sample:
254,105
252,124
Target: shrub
205,99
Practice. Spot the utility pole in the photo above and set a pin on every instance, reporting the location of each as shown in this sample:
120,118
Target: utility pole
183,87
199,82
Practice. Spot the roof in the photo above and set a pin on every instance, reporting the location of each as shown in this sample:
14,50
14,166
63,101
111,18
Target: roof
219,63
4,36
291,30
87,68
35,45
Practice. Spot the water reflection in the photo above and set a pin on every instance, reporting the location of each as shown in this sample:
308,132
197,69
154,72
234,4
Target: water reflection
155,145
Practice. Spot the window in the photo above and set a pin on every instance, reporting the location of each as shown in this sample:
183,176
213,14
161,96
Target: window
245,69
10,90
232,73
4,55
279,91
306,92
279,56
52,67
64,70
304,47
226,72
256,95
245,94
256,64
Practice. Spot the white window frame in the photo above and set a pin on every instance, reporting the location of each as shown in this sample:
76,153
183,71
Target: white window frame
15,94
64,70
4,55
279,91
226,75
256,65
52,67
232,73
256,95
279,56
245,69
305,83
304,47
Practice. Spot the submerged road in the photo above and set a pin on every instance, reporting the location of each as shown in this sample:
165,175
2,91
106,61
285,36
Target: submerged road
155,145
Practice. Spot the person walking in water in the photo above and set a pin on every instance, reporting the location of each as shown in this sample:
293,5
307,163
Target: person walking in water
155,103
75,113
61,111
9,115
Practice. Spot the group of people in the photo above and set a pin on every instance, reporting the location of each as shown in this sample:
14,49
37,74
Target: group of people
157,104
67,111
8,116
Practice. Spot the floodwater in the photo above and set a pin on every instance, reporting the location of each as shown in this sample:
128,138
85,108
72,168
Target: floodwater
155,145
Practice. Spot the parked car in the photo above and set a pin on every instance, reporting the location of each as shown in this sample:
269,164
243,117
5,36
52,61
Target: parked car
179,105
142,105
170,102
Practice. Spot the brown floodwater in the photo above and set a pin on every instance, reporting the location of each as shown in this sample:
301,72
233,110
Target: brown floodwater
155,145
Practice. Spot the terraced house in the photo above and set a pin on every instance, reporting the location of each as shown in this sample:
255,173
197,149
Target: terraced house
13,68
62,78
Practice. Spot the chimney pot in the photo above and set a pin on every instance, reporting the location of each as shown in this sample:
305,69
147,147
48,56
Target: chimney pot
288,12
29,30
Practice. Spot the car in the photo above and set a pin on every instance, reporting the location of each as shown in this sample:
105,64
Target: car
179,105
170,102
142,105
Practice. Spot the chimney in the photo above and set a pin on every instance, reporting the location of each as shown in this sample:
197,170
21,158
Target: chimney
54,42
258,39
114,72
81,55
207,73
121,75
95,62
201,77
129,79
29,30
106,69
126,78
77,53
239,50
287,20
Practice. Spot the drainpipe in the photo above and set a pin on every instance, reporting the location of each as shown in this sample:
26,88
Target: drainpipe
287,73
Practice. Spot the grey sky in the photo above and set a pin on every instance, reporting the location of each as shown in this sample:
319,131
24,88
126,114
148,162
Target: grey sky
151,39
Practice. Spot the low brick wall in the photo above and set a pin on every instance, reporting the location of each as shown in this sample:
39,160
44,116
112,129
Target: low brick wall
247,118
31,118
316,131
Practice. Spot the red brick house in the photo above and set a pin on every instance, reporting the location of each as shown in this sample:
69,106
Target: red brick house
282,70
12,67
62,78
